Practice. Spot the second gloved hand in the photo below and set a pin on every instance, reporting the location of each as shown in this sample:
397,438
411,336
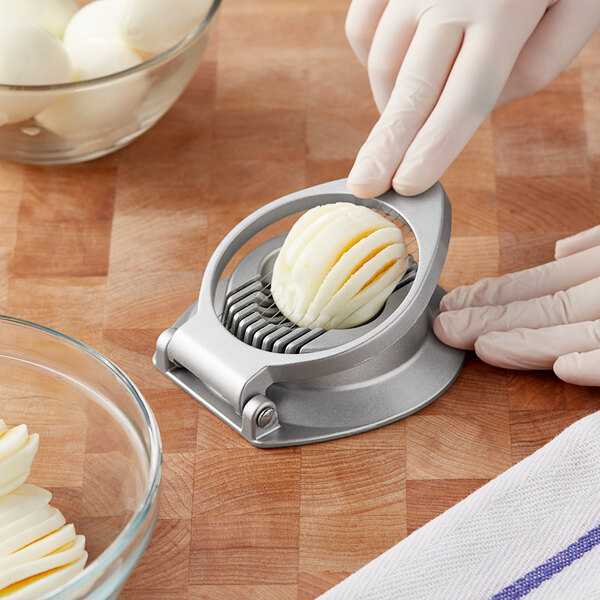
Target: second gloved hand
541,318
438,67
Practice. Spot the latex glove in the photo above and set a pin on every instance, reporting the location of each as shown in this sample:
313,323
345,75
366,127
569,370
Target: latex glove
438,67
541,318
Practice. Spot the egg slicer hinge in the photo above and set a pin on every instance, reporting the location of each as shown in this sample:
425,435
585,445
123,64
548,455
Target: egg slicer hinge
277,384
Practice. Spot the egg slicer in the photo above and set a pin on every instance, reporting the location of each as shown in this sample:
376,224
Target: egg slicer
277,384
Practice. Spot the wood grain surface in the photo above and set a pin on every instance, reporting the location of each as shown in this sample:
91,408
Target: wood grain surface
112,251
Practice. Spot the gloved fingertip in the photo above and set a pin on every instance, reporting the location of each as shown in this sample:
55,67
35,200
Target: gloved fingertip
444,304
492,349
584,240
406,186
448,302
487,350
439,328
560,249
499,349
361,190
412,176
568,368
446,330
363,180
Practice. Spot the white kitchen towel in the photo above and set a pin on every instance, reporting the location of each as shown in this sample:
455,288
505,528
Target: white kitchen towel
533,533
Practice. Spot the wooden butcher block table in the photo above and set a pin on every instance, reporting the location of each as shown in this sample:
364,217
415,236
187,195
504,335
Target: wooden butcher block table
112,251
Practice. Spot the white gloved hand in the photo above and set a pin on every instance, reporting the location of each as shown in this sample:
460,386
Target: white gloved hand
541,318
438,67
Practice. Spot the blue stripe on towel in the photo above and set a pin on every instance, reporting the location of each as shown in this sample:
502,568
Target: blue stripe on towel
554,565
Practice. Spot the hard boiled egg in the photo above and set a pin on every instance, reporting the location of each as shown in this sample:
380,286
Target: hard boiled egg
29,55
337,267
104,107
91,21
52,15
154,26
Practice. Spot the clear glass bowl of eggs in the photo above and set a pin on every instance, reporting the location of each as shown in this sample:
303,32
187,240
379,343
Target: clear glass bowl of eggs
80,466
79,82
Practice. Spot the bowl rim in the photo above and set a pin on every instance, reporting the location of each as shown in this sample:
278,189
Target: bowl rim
150,63
95,568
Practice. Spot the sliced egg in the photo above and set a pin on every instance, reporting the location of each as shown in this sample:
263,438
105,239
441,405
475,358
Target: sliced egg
337,267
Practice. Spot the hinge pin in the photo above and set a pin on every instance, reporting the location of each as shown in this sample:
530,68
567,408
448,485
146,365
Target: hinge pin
266,417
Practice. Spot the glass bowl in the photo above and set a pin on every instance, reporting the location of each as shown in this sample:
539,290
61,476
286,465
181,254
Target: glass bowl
82,120
99,451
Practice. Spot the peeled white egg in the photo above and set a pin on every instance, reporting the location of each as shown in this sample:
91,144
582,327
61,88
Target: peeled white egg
91,21
29,55
105,107
52,15
337,267
154,26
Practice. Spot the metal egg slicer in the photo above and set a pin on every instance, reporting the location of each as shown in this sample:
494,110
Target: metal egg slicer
277,384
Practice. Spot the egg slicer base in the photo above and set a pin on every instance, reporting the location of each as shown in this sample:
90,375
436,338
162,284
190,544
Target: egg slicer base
277,384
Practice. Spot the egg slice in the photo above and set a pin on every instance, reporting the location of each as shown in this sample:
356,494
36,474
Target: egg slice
22,501
29,528
34,588
337,267
17,450
39,552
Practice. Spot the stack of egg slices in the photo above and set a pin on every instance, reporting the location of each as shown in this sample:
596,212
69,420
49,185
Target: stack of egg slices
338,265
47,42
39,552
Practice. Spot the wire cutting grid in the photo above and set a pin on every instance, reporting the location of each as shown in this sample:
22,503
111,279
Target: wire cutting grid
113,251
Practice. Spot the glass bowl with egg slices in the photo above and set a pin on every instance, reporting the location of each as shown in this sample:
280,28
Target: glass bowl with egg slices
78,82
80,466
